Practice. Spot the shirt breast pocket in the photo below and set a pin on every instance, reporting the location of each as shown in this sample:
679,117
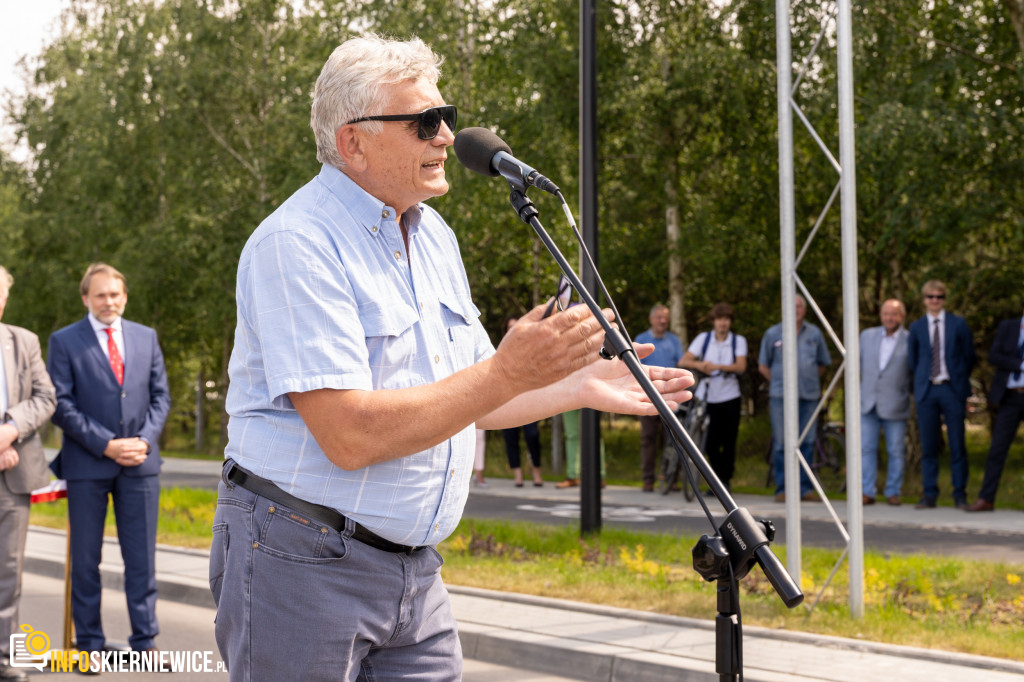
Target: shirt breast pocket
388,330
458,317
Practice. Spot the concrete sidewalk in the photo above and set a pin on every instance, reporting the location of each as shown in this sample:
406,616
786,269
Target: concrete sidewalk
588,642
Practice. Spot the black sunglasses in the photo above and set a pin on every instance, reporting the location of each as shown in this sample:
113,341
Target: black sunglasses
428,120
939,296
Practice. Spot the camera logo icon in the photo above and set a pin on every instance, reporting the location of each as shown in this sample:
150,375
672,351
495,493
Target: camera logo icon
28,648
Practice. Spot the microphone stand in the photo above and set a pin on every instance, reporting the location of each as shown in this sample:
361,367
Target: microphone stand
741,540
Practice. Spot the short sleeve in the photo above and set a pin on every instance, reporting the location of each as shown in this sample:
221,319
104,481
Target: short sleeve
824,358
764,357
697,345
305,315
741,346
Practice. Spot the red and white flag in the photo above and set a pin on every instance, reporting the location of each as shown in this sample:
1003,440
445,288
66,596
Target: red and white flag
54,490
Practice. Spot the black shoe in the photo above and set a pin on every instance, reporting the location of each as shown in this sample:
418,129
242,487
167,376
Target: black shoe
961,504
925,503
13,674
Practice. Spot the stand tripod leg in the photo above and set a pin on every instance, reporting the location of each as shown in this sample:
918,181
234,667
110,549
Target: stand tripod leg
727,635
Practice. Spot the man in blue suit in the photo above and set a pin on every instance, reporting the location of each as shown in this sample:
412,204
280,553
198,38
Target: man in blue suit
884,400
941,354
1007,357
112,402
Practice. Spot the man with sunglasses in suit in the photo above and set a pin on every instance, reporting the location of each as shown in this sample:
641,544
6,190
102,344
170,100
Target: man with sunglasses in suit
359,370
941,354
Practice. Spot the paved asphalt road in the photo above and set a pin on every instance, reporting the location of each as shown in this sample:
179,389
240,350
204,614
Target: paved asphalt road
183,628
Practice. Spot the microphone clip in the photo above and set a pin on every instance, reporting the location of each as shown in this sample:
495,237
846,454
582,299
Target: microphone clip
521,203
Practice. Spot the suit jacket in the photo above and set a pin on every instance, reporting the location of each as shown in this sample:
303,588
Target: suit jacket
888,389
958,348
1003,356
30,402
92,409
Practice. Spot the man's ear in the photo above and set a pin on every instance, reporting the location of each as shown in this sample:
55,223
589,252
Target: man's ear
349,142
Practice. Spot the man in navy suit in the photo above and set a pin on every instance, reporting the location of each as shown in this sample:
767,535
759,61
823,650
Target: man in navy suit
941,354
1007,356
112,402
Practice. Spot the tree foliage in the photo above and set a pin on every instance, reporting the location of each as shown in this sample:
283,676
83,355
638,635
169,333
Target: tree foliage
162,132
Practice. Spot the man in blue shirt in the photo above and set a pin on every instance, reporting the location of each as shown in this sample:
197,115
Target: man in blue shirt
812,359
668,351
359,371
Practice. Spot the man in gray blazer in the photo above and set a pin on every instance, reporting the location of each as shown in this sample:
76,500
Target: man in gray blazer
884,400
27,400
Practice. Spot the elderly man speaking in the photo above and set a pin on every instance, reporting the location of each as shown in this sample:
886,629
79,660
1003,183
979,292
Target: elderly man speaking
359,370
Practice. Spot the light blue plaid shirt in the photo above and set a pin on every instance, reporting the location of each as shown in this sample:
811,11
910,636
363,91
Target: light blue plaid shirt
328,298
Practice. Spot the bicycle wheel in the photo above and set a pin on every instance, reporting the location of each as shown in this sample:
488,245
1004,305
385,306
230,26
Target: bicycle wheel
668,469
697,426
830,463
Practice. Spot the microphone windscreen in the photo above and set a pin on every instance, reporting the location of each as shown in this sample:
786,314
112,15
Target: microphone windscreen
475,147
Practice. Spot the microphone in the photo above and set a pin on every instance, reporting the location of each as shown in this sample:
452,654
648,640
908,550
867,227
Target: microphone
481,151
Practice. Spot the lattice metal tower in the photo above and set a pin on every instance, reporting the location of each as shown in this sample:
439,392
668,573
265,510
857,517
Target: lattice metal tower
837,24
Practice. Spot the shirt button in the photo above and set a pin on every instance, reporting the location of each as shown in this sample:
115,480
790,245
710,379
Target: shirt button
385,214
398,255
437,359
373,229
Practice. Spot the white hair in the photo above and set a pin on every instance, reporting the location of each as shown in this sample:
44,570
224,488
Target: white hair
351,85
6,281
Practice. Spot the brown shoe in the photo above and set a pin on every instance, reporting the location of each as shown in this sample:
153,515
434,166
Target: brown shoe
810,497
893,501
648,487
568,483
780,497
867,500
980,505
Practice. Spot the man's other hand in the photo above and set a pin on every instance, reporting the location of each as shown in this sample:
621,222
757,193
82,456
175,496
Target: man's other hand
539,351
8,435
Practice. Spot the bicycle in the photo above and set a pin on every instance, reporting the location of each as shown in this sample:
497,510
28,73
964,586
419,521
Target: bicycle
828,458
695,419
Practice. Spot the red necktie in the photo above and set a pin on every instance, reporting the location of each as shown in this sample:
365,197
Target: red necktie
116,363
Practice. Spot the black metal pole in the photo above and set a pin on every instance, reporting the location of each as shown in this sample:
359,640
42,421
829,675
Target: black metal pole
590,425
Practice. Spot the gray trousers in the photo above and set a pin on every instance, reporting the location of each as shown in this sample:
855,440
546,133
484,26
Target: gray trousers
13,535
299,601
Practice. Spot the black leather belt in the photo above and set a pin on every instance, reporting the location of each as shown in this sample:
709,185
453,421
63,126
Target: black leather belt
325,515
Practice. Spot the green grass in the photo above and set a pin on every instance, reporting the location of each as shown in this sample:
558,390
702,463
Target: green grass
186,517
953,604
